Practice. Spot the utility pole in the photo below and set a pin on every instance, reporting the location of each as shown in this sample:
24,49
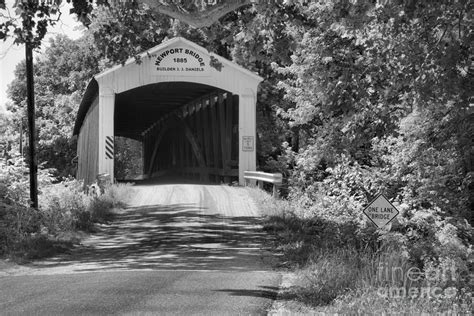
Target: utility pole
21,137
31,125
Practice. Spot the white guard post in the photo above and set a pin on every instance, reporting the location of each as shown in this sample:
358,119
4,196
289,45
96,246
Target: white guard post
106,131
247,133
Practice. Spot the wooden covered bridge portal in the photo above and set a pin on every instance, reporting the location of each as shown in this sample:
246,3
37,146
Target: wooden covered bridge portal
193,111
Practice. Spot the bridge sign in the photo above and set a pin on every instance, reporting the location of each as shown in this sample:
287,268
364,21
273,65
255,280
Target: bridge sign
180,60
248,143
380,211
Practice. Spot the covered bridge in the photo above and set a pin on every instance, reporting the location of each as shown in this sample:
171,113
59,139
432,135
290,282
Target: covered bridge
194,113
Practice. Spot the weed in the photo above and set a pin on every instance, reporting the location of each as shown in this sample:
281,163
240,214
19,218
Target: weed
65,210
343,267
115,196
329,275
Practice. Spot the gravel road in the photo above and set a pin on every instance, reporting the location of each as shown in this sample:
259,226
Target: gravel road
178,249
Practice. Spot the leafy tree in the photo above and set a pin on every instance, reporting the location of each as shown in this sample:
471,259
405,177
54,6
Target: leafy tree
8,135
32,18
391,75
61,76
128,158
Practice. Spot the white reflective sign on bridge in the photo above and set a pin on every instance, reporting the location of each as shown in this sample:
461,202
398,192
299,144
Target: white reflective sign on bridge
248,143
380,211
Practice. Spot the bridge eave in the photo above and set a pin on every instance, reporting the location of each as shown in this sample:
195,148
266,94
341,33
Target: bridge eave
91,93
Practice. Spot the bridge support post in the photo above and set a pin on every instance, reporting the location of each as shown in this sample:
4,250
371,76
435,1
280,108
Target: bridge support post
106,131
247,133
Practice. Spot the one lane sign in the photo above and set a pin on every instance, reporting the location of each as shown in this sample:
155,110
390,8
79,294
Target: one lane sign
380,211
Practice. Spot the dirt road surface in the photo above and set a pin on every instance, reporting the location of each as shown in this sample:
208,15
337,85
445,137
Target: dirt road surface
178,249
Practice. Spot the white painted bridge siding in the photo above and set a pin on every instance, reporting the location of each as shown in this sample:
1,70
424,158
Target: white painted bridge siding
231,77
88,145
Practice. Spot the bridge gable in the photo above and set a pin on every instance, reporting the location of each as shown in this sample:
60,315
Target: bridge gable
179,60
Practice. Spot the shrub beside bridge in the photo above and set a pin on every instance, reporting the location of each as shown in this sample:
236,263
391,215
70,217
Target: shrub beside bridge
65,211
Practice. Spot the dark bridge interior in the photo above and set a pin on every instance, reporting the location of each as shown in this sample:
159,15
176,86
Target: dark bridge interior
137,109
187,129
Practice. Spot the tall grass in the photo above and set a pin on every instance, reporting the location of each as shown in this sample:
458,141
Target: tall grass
65,212
343,269
64,207
102,208
326,276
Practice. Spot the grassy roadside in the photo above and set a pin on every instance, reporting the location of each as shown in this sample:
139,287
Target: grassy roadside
66,215
341,268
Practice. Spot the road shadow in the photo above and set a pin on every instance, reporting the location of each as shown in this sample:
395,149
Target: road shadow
169,179
267,292
174,237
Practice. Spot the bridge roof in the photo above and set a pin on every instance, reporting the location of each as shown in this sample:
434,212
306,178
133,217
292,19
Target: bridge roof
142,95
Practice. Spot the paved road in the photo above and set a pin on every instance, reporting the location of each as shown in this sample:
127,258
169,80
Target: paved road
179,249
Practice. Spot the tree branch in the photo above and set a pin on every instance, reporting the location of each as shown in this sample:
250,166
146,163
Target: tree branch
197,19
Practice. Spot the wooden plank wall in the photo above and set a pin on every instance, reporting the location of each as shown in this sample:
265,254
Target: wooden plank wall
88,146
213,121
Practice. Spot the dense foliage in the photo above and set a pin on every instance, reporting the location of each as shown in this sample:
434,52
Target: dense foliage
359,98
61,76
65,209
383,90
128,160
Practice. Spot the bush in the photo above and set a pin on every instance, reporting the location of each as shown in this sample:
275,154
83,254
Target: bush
64,207
115,196
14,181
64,210
31,233
349,267
37,246
17,224
426,228
118,195
101,210
17,220
329,275
390,284
299,235
370,301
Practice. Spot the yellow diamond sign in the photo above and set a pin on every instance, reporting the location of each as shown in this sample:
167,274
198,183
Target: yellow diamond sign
380,211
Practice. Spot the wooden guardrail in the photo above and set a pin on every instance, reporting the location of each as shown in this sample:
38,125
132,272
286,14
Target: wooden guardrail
275,178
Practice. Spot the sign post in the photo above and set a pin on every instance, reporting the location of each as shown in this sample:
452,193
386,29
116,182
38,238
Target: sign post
380,211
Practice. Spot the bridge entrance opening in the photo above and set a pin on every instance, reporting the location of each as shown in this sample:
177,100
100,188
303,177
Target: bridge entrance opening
186,129
193,112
